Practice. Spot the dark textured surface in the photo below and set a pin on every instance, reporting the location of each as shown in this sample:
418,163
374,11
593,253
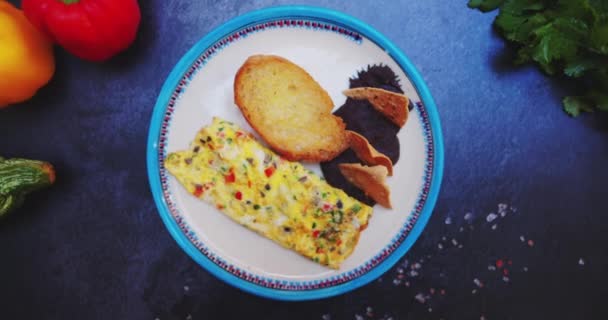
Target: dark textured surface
93,246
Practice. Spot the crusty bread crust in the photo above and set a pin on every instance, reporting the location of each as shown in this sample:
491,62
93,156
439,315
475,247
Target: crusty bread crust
289,109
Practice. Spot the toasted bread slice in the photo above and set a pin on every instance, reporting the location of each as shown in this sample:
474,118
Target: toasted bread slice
393,106
367,153
289,109
372,180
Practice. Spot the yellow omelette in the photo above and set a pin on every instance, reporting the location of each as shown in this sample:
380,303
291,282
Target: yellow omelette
278,199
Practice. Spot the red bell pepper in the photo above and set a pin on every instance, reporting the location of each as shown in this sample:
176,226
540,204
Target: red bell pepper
93,30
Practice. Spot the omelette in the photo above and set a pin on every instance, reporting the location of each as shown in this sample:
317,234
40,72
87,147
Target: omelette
279,199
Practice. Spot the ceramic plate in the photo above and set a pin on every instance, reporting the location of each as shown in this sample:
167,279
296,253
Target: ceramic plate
332,47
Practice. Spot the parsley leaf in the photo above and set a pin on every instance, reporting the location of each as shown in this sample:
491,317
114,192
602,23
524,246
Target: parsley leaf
600,100
485,5
563,37
578,66
599,39
575,105
557,40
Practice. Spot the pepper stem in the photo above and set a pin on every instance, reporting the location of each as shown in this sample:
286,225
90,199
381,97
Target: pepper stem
68,2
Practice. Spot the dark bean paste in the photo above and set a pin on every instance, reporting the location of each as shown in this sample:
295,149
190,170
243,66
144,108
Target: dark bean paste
362,118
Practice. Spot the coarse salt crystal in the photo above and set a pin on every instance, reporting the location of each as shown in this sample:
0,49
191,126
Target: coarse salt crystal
491,217
326,317
478,282
454,242
491,268
413,273
494,226
505,279
396,282
468,216
440,246
448,220
420,298
522,239
416,265
581,262
359,317
461,229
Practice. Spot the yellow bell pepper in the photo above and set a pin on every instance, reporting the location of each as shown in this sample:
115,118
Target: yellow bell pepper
26,57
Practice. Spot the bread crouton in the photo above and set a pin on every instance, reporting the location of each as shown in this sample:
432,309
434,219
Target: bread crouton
289,109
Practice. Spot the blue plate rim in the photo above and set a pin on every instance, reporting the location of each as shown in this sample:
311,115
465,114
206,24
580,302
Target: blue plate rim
273,13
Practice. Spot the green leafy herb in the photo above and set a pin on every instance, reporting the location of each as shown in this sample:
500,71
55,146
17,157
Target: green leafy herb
563,37
337,216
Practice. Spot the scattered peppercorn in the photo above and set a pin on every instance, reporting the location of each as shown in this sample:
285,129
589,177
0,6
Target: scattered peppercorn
339,204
